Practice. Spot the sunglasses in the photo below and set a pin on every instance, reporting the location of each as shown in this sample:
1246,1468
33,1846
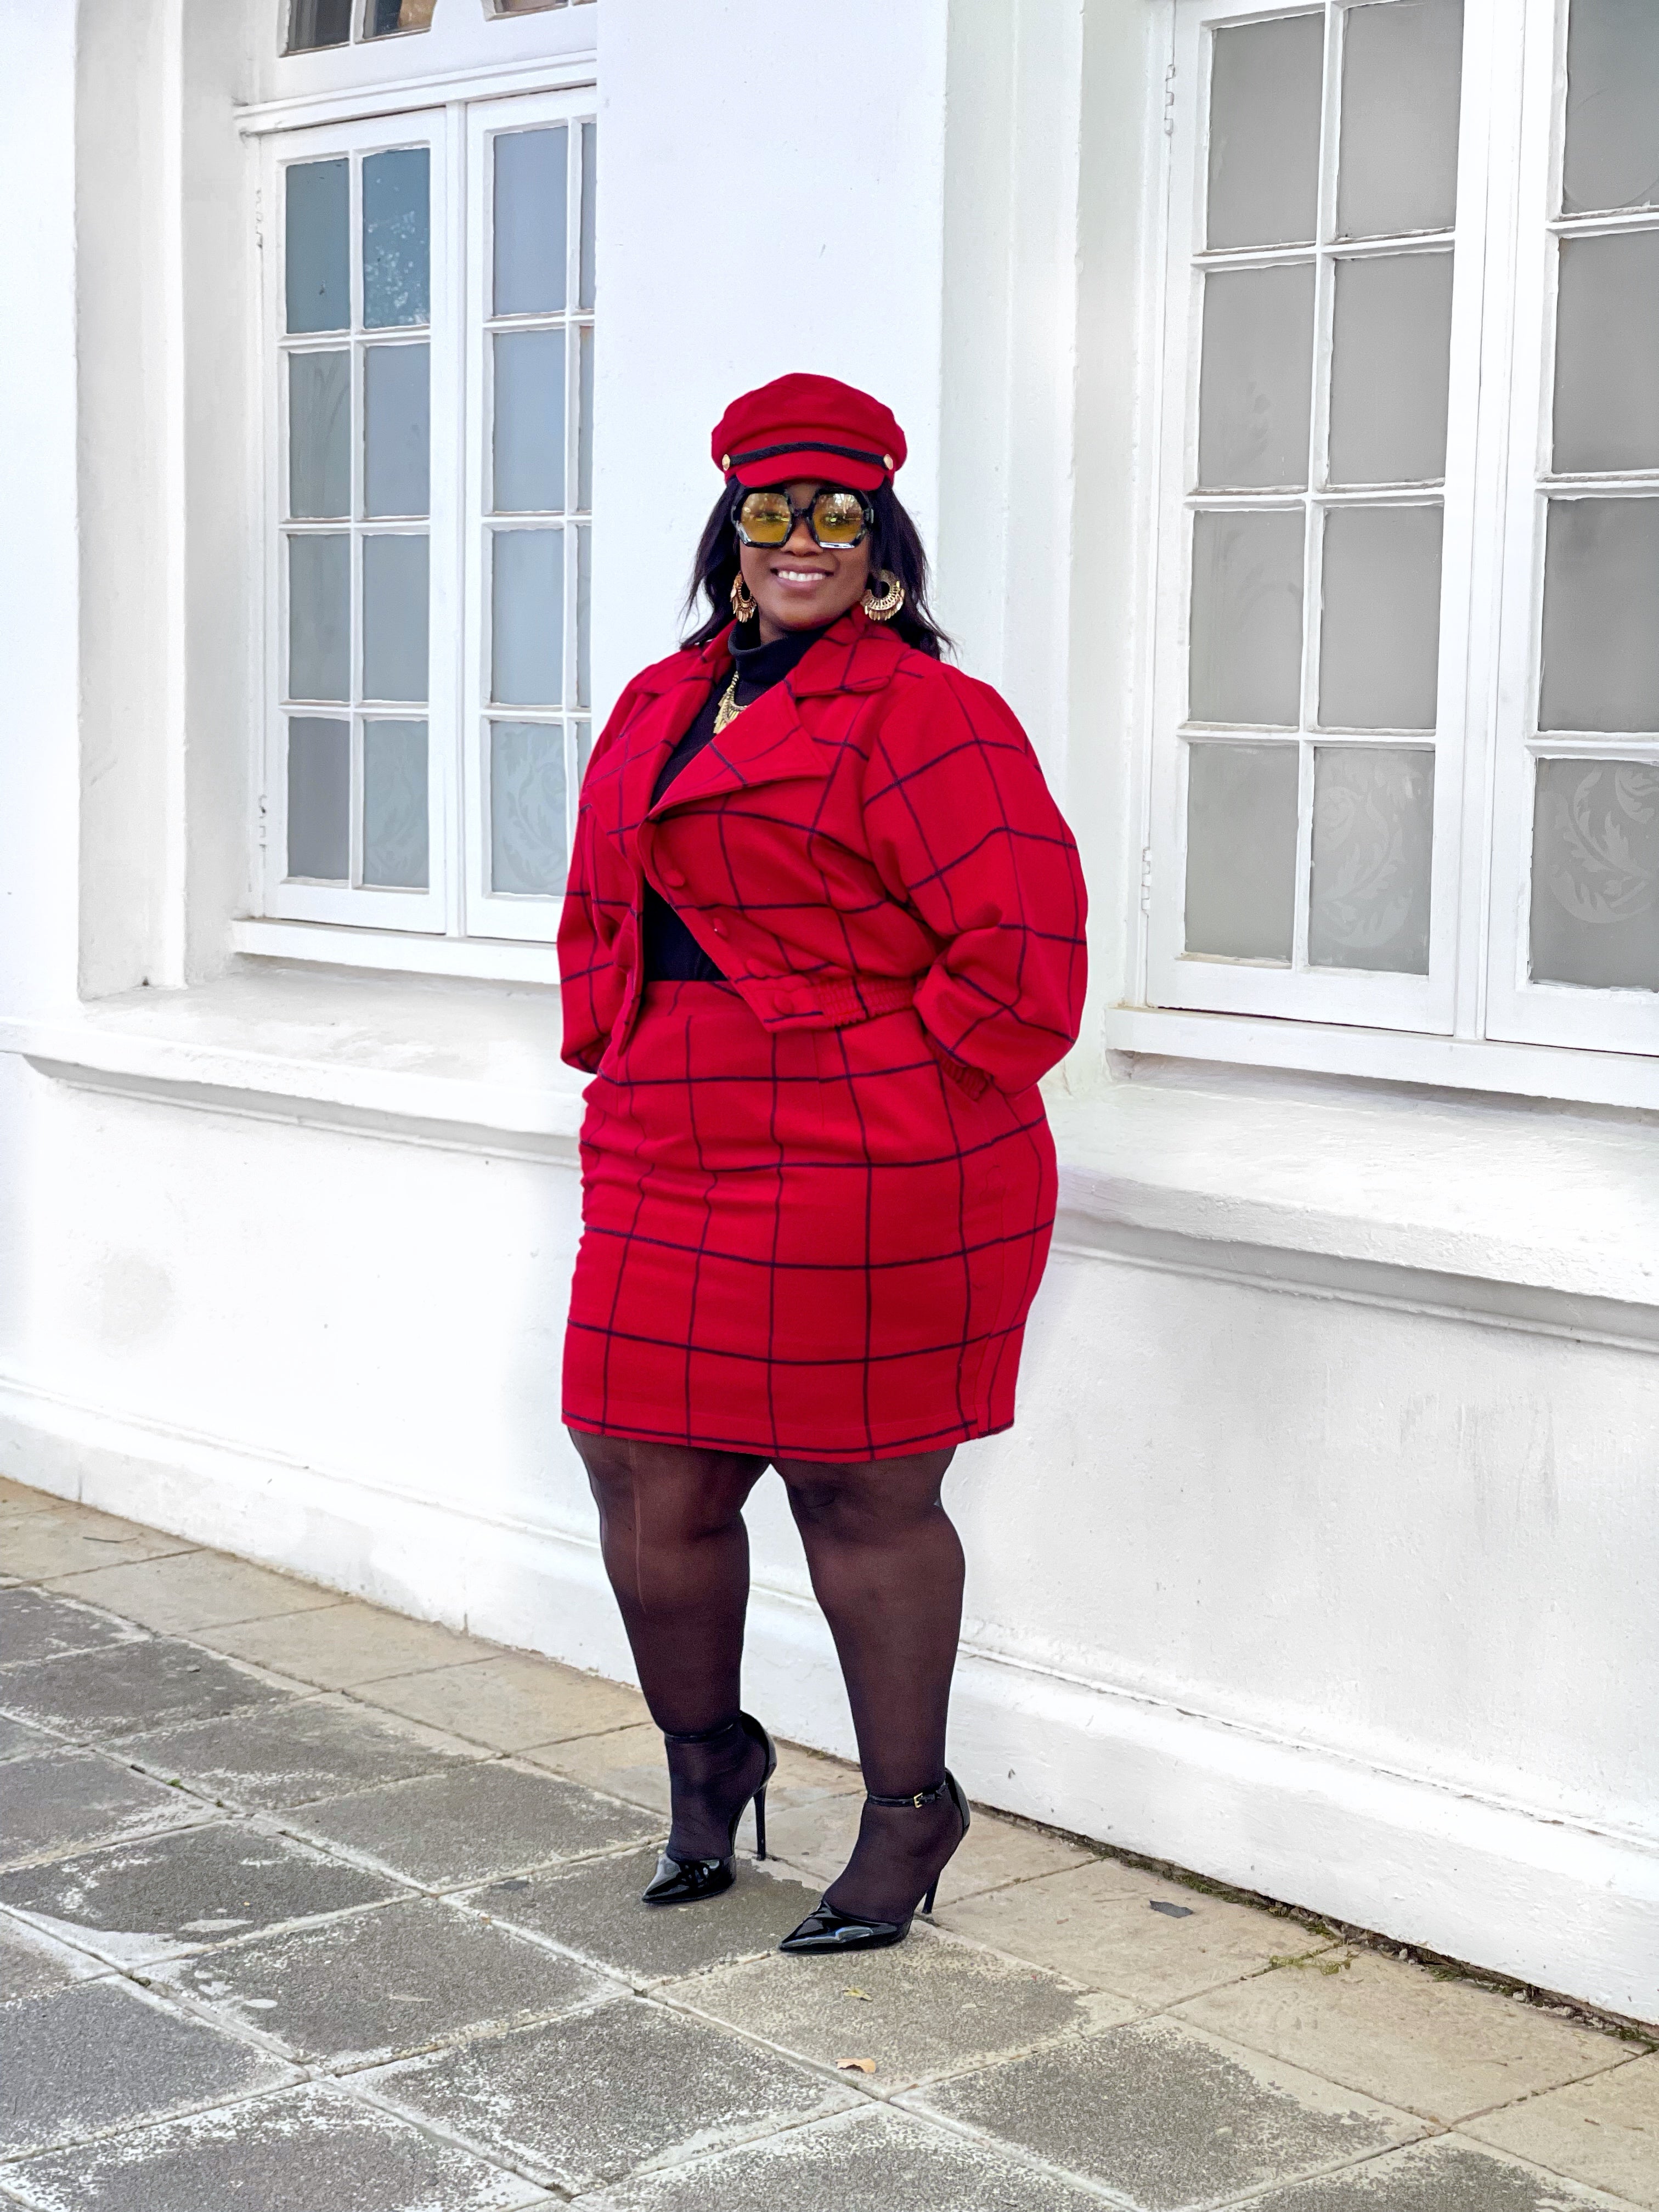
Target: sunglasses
835,519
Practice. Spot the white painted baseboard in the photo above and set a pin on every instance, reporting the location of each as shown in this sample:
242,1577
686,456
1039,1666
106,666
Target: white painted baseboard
1553,1904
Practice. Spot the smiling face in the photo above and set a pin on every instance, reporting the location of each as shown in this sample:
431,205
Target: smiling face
802,584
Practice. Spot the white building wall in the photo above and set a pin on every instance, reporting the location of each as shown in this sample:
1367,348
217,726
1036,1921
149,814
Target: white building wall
1322,1558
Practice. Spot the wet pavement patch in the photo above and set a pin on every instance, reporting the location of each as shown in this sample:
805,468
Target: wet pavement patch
100,2056
34,1626
377,1984
290,1754
476,1822
140,1901
133,1686
65,1798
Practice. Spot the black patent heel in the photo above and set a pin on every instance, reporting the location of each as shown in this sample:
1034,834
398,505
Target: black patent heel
827,1929
689,1882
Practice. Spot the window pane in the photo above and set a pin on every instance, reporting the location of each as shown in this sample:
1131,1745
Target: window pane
527,617
530,222
1600,638
320,618
397,237
1373,839
584,750
1613,106
1606,354
526,808
1246,652
1390,369
318,799
394,617
1402,71
1241,850
312,23
529,422
1380,642
317,269
585,288
584,612
523,7
1595,875
397,429
319,435
585,419
394,806
1264,131
1255,386
387,16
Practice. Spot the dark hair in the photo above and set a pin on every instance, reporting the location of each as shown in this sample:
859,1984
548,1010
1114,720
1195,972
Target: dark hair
895,543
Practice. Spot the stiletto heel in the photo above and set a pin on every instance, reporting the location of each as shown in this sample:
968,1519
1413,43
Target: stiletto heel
689,1881
828,1929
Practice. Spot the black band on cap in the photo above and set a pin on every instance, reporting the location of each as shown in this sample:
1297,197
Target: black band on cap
810,445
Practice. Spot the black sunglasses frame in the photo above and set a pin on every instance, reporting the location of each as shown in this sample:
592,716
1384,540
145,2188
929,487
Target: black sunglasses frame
802,514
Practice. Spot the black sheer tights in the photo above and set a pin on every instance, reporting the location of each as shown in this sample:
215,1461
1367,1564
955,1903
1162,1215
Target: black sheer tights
886,1566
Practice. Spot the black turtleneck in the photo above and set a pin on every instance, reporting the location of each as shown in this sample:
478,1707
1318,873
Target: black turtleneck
672,955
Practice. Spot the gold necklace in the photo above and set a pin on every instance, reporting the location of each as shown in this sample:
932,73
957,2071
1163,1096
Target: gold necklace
730,707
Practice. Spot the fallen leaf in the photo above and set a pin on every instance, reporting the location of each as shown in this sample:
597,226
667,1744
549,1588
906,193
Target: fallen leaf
1171,1911
865,1994
856,2065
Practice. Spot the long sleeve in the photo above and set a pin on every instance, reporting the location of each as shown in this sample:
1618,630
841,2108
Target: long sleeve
590,982
964,830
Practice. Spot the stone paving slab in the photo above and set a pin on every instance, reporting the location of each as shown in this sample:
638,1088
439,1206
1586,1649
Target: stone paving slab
18,1740
310,2149
33,1625
1446,2175
1440,2048
186,1590
1167,2116
595,1909
103,1696
31,1963
380,1985
63,1801
925,2006
474,1824
100,2056
819,1838
1604,2131
591,2098
1113,1926
289,1754
869,2162
629,1763
510,1700
61,1538
342,1644
130,1903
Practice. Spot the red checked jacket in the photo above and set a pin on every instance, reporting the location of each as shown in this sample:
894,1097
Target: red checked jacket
874,831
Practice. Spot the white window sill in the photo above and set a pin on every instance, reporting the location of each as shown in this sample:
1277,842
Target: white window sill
1534,1216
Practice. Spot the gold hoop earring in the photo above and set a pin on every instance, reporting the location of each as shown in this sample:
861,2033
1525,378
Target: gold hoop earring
884,607
743,602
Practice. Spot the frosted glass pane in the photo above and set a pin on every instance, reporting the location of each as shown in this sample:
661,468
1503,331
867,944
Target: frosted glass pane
1246,651
1391,369
529,433
1380,642
387,17
397,237
397,430
1606,354
320,618
1241,851
1255,386
527,617
1402,72
1613,106
394,806
584,750
530,222
584,613
527,809
1264,131
585,419
585,286
523,7
1373,842
1601,594
317,267
394,617
318,799
1595,875
319,435
314,23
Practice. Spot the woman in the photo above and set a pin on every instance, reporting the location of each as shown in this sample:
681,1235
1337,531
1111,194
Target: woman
823,932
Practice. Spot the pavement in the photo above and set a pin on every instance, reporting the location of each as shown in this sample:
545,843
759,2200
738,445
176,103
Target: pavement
310,1907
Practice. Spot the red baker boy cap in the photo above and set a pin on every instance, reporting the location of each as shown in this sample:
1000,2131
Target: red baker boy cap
808,426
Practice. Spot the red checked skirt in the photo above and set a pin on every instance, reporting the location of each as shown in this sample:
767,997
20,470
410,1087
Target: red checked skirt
807,1244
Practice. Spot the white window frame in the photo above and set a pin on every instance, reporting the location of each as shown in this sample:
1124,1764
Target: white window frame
1460,1024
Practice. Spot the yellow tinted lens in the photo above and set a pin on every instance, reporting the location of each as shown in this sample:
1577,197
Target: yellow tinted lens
765,518
837,517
